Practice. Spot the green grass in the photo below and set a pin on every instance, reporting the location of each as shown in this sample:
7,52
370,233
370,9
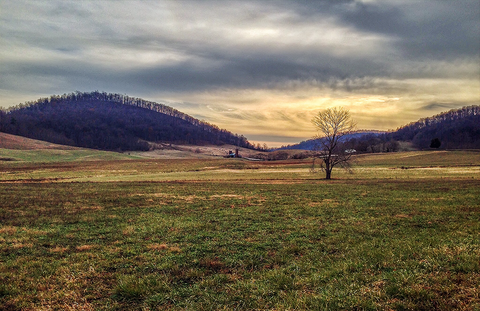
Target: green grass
234,235
55,155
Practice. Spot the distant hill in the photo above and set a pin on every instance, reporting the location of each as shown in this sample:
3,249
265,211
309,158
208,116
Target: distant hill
312,144
455,129
110,122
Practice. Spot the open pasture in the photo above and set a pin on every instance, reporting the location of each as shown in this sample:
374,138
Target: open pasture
401,233
95,166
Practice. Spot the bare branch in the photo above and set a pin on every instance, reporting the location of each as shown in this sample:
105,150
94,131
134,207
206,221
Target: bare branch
332,124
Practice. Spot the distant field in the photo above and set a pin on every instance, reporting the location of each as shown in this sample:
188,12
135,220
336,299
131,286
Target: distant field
18,148
100,167
401,233
443,158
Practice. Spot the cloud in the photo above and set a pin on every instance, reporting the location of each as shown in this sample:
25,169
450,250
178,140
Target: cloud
422,29
263,66
437,106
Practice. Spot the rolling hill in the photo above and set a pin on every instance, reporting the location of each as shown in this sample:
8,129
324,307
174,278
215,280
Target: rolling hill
110,122
454,129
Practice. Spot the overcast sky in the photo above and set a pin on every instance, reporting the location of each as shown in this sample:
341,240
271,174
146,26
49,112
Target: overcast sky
257,68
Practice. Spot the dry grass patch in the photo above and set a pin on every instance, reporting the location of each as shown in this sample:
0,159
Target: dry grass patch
128,230
58,249
88,218
196,198
71,208
175,249
330,202
10,230
82,306
456,250
157,246
91,208
113,250
212,264
164,247
85,247
237,196
34,231
273,181
17,245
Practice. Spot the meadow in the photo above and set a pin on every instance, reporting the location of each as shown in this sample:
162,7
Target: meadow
400,233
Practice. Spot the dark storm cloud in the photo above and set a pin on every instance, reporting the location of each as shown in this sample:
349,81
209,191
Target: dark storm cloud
447,28
418,29
233,73
423,29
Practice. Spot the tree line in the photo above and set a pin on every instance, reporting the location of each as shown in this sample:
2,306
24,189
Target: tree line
454,129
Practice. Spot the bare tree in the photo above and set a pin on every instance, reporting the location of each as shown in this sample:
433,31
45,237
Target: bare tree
332,124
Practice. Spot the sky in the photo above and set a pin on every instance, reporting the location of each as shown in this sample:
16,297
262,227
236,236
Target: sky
262,69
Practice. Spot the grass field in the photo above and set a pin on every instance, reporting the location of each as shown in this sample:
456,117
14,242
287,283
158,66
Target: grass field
42,156
401,233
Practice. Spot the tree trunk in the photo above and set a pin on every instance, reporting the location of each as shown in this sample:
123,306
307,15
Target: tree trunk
328,174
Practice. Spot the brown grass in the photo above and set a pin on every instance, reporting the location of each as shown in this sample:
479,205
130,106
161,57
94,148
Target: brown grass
157,247
164,247
175,249
85,247
8,141
8,230
403,216
17,245
58,249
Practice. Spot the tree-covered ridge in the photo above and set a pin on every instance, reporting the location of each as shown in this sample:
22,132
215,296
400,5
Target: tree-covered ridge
455,129
110,122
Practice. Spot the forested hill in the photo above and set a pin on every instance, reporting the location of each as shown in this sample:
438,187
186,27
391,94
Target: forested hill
455,129
110,122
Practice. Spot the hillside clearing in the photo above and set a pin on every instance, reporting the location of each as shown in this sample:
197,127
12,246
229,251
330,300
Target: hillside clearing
8,141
